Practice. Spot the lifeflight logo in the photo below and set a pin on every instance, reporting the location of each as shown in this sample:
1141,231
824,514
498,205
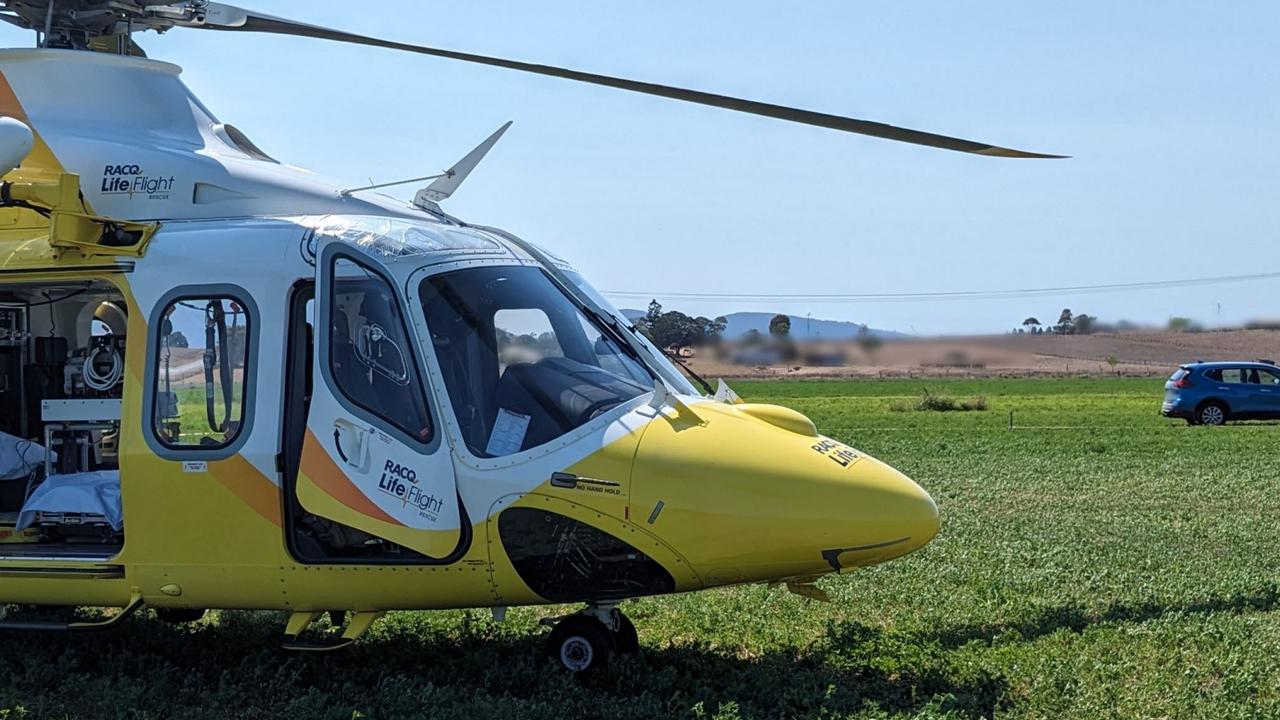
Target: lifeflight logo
401,483
132,181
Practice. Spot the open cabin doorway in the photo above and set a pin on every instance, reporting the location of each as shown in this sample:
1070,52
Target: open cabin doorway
62,385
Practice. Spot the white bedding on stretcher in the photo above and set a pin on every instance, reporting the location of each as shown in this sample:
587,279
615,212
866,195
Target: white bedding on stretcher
19,458
91,493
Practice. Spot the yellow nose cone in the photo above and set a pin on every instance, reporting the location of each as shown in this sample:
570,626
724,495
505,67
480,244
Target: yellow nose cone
747,498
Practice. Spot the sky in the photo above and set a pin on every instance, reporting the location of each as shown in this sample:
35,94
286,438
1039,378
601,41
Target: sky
1170,111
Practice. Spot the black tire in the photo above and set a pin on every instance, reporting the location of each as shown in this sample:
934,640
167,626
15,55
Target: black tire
1211,413
580,644
178,616
625,639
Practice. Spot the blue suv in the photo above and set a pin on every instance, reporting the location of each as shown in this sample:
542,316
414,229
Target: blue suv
1211,393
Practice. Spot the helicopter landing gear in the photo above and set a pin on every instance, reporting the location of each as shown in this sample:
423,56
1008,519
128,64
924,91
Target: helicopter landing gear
584,641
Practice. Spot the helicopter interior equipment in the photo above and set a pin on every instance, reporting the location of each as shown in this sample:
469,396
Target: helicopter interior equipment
228,383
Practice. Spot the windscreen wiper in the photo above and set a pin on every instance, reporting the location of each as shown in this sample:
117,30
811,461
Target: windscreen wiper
687,370
610,324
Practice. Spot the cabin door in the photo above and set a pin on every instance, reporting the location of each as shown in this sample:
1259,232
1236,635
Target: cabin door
372,457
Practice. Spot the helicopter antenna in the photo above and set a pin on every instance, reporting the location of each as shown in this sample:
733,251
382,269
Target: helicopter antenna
447,184
372,186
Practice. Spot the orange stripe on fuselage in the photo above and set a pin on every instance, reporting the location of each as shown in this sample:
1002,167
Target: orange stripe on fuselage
247,483
321,470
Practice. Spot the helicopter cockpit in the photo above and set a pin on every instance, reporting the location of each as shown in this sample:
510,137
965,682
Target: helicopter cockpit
522,364
528,351
426,331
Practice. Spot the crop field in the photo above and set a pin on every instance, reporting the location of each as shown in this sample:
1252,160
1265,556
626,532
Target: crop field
1094,561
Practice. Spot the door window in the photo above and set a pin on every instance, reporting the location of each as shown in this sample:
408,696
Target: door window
203,355
1266,377
370,355
523,364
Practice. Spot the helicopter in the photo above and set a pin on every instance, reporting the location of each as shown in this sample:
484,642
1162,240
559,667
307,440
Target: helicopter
229,383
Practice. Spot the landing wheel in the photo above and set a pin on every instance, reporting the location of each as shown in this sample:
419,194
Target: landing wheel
581,644
625,638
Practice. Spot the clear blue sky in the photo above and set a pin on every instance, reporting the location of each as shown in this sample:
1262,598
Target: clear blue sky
1170,109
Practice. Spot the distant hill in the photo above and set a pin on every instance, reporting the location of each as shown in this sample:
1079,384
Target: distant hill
741,323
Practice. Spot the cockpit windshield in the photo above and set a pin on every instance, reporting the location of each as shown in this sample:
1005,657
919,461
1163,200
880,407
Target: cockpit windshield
675,379
522,363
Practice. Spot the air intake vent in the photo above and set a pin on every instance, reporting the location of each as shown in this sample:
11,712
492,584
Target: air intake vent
233,137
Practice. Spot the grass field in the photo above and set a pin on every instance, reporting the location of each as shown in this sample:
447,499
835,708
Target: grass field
1096,561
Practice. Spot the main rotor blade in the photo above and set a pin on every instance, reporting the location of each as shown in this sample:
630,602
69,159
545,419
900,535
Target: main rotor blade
248,21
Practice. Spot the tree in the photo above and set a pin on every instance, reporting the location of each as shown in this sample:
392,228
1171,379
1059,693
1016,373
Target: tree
1113,361
868,341
1084,324
780,326
178,340
655,311
718,326
1180,324
1032,325
1066,322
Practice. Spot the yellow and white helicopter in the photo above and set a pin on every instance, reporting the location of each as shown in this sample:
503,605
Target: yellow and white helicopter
226,383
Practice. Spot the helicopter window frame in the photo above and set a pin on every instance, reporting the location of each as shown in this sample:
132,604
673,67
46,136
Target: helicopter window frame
325,306
248,381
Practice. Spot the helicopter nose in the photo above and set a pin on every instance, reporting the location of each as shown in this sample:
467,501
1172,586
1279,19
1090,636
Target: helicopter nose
887,516
747,494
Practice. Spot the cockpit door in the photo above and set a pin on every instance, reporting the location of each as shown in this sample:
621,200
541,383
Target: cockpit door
373,457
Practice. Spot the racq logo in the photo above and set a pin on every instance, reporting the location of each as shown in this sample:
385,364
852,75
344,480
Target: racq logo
131,180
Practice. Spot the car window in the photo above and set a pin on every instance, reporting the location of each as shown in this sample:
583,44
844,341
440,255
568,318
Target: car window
1231,375
1267,377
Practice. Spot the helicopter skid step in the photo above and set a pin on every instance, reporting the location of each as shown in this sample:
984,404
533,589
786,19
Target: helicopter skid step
135,604
355,629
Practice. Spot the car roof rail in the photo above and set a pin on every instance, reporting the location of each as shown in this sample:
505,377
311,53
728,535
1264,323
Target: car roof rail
1265,361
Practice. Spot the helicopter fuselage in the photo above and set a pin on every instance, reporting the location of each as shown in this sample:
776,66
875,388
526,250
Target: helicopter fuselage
330,401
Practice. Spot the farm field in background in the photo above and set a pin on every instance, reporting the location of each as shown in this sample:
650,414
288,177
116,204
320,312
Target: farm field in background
1095,561
1111,354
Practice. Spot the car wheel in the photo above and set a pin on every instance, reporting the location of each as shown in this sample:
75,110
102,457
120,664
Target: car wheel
1212,414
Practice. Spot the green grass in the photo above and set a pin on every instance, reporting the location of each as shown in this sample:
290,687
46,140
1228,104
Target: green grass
1096,561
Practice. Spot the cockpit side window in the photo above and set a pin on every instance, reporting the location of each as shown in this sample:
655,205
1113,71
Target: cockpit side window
522,364
370,354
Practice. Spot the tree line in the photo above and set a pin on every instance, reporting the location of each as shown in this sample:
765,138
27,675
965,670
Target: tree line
672,329
1068,324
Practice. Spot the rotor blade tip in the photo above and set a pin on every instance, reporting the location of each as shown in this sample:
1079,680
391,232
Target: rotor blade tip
1021,154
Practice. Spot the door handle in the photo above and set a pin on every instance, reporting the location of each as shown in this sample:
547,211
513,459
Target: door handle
570,481
352,443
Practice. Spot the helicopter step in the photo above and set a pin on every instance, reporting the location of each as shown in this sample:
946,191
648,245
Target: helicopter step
135,604
355,629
